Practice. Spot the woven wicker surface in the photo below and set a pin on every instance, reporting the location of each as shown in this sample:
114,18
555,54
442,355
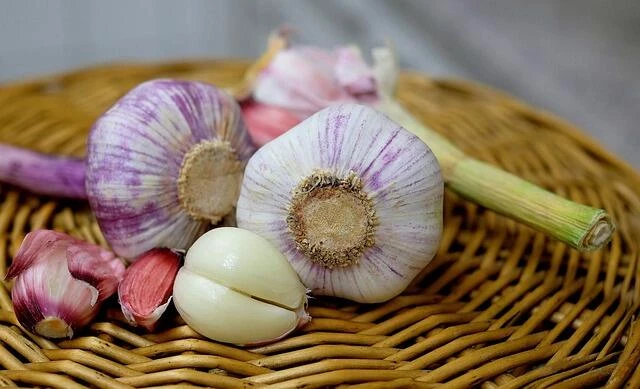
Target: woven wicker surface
500,305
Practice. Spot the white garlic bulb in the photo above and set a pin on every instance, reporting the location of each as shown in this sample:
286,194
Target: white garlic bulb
164,163
236,287
351,198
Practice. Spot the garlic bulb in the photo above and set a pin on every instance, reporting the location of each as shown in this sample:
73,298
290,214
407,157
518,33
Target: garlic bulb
352,199
61,282
164,163
236,287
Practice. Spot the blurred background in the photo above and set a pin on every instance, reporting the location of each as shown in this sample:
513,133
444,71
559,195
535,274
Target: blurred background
576,58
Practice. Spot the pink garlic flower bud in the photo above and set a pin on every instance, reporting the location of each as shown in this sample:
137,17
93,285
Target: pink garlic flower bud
61,282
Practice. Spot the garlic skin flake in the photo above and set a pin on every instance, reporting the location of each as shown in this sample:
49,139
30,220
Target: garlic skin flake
164,163
61,282
236,287
353,200
145,290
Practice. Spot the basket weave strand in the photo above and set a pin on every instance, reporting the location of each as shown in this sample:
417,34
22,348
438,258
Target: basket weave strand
499,306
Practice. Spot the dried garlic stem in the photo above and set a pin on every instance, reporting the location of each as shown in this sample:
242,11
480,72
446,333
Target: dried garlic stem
582,227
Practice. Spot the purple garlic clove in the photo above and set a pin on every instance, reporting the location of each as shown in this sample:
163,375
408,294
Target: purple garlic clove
61,282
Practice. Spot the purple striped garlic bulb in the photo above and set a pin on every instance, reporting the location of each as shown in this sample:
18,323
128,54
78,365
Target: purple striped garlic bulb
352,199
165,163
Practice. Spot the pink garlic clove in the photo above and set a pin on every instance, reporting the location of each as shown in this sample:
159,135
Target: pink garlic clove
61,282
266,122
145,292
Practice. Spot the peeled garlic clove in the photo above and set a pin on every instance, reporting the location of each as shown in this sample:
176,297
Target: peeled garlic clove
61,282
145,290
353,200
164,163
235,287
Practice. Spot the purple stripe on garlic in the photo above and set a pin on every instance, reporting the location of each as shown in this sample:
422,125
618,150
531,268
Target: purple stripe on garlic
351,198
164,163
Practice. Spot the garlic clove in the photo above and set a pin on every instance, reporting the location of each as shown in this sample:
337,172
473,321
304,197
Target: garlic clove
256,267
353,200
266,122
164,163
236,287
145,291
60,282
225,315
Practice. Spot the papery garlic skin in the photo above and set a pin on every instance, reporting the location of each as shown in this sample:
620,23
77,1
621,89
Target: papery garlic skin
321,77
146,288
61,282
236,287
375,182
164,163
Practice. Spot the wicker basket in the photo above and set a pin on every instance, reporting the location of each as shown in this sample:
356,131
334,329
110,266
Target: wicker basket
501,305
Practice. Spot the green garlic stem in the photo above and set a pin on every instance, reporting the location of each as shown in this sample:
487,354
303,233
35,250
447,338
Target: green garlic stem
582,227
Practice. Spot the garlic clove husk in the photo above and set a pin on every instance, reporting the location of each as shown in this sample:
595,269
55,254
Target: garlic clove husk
353,200
301,80
236,287
164,163
145,290
304,79
60,282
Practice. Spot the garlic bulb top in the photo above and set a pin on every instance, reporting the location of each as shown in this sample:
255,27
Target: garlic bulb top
164,163
351,198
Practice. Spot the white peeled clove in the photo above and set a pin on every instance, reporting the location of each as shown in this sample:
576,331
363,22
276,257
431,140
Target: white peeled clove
145,291
61,282
236,287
